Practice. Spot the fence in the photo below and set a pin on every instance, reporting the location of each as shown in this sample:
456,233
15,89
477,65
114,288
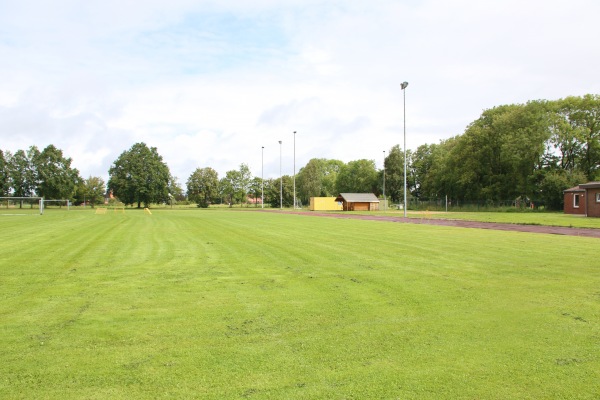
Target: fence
444,204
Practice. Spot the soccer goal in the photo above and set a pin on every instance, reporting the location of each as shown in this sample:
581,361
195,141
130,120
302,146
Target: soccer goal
62,202
15,203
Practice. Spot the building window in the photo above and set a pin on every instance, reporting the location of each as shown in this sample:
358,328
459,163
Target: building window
575,201
598,197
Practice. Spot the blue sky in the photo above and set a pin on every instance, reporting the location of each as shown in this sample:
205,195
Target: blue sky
210,82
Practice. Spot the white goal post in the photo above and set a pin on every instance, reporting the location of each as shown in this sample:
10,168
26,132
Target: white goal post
11,198
68,203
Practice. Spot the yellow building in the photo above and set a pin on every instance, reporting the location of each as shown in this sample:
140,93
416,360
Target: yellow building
324,204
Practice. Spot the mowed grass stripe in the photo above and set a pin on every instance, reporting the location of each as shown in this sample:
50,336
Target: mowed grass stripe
220,304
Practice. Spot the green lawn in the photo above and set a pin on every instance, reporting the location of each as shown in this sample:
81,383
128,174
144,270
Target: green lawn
261,305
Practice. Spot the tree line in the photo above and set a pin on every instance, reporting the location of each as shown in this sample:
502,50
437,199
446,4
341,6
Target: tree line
46,173
530,152
527,153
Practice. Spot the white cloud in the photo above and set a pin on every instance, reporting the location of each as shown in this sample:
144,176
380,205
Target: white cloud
209,83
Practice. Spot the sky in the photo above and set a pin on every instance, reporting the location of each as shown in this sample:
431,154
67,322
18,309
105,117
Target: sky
209,83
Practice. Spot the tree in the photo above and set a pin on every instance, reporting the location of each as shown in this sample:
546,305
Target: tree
93,190
440,180
228,186
278,186
175,190
203,186
357,177
255,189
236,184
22,172
4,175
577,133
554,183
317,178
394,173
244,180
56,179
499,152
420,163
139,175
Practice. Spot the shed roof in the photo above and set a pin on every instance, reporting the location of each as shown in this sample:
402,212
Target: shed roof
590,185
358,198
574,189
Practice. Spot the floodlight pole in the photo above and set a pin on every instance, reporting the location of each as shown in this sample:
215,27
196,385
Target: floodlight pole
280,180
384,201
262,179
294,170
404,85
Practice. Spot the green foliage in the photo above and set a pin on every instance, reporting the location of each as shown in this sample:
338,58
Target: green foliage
256,190
279,192
200,306
139,175
92,190
203,186
236,184
358,176
554,183
318,178
22,172
394,174
4,174
576,133
513,151
56,179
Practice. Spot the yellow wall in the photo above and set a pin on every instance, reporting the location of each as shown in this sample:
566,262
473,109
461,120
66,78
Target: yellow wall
324,204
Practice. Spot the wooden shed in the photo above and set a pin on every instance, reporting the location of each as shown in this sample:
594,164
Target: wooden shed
583,199
358,201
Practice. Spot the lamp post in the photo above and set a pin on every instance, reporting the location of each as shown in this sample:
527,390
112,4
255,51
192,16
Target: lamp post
280,180
262,178
294,170
384,201
403,86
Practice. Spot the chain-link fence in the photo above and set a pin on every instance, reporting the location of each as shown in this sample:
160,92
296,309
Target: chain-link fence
443,204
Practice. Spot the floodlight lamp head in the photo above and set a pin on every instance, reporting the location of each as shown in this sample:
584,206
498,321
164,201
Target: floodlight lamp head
403,85
280,142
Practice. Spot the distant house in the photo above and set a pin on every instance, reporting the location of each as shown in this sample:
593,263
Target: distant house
253,200
358,201
583,199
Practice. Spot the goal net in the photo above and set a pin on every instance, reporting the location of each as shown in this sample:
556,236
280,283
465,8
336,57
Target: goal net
21,205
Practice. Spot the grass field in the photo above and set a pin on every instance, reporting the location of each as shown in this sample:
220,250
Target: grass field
218,304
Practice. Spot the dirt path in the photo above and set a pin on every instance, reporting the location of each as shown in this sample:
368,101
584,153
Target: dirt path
553,230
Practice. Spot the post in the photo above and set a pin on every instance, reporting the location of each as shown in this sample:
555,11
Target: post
403,86
262,179
384,201
280,180
294,170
